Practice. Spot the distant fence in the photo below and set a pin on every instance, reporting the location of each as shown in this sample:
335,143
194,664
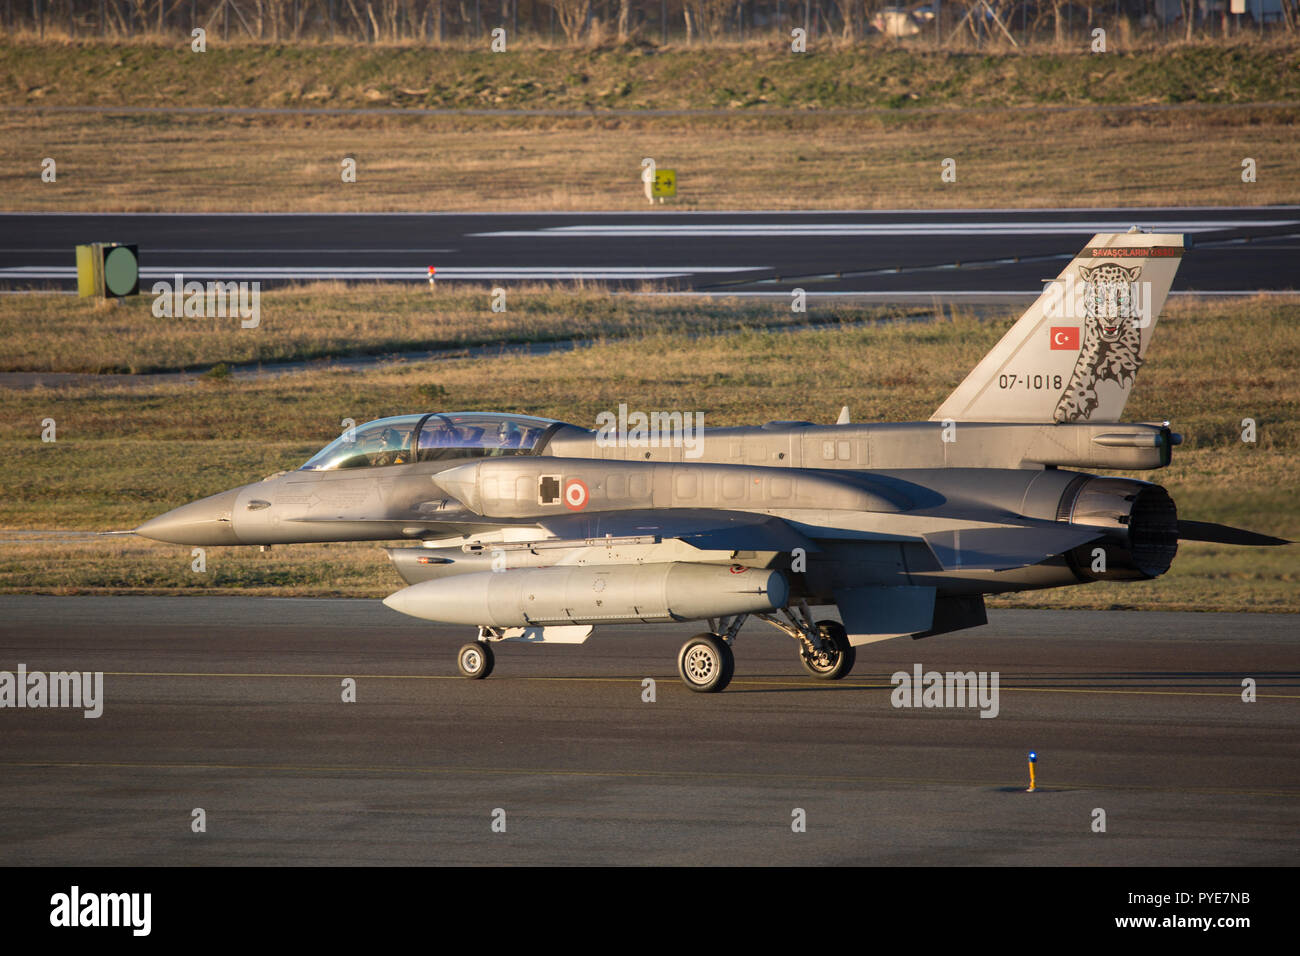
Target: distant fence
1005,23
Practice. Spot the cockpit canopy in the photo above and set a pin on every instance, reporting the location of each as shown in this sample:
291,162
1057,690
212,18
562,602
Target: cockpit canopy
442,435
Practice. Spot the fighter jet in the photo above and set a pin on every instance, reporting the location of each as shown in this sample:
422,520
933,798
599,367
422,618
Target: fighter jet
536,530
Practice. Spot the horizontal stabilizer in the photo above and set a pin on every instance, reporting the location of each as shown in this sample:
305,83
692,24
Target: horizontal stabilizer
1001,549
1224,534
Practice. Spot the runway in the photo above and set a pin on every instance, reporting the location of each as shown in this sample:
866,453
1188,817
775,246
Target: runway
888,255
233,705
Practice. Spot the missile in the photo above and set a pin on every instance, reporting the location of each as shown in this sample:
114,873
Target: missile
653,593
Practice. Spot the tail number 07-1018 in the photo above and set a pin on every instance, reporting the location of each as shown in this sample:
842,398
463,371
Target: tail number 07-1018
1032,381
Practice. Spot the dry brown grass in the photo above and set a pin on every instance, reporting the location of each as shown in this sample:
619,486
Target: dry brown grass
817,161
61,333
79,565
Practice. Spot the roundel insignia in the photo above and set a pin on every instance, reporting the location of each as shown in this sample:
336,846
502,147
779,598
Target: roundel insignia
576,495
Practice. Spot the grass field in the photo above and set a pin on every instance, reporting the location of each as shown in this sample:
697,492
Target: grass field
778,142
817,161
879,74
126,452
55,333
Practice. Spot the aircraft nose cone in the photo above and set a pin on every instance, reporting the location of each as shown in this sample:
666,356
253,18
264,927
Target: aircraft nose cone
206,521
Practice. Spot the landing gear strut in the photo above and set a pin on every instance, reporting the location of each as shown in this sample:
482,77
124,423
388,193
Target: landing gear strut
824,648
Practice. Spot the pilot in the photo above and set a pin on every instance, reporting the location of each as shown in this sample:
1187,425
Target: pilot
508,438
395,448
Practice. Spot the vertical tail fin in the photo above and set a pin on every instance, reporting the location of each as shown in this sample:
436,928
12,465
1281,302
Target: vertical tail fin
1074,355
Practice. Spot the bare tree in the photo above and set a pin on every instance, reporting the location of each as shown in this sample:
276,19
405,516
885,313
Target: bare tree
705,17
572,16
851,12
1058,21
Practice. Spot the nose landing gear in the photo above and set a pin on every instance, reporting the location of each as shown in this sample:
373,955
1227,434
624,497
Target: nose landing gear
475,660
706,663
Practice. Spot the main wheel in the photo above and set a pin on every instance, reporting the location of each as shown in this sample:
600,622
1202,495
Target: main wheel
706,663
475,660
836,660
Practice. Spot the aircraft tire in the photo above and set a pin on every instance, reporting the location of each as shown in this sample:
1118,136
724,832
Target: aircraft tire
834,633
706,664
475,660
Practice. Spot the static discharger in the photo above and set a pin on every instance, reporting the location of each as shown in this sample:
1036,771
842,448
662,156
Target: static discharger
1033,759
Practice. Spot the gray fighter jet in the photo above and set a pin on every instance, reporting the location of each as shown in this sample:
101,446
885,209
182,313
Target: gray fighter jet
537,530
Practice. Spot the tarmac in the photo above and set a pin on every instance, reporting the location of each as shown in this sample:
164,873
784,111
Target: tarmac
235,707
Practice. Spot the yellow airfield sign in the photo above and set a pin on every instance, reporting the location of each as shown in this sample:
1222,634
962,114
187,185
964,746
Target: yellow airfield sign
665,183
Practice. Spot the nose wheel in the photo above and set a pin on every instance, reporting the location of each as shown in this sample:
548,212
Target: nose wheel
475,660
706,663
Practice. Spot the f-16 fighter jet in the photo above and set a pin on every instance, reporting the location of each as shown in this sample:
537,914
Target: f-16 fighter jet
536,530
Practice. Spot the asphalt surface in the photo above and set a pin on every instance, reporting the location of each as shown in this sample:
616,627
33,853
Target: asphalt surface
233,705
889,255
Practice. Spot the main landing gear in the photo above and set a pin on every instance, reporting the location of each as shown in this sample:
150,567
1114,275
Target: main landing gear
706,663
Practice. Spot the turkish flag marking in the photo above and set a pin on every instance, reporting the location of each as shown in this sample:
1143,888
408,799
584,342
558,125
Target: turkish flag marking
1065,337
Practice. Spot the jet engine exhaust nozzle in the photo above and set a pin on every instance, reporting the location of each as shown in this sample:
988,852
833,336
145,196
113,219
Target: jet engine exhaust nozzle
1142,524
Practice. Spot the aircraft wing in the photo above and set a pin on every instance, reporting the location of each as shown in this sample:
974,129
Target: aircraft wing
704,528
461,522
975,549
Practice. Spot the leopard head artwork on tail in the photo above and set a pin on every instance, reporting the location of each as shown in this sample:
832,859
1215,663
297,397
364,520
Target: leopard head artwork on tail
1112,340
